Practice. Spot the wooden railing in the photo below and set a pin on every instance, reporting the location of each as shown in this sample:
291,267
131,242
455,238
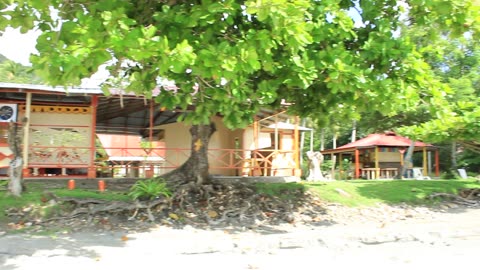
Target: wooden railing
148,162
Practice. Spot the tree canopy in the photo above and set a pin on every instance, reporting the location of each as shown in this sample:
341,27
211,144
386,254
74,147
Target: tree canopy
456,63
231,57
11,71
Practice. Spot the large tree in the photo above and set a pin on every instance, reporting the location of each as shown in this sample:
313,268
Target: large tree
230,57
456,63
11,71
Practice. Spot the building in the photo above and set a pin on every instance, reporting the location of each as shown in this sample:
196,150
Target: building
382,155
78,132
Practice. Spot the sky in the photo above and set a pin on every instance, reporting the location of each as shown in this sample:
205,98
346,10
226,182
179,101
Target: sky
18,47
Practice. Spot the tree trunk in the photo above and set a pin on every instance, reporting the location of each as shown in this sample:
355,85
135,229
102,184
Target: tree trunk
334,140
407,162
454,156
332,172
322,139
195,169
354,131
15,186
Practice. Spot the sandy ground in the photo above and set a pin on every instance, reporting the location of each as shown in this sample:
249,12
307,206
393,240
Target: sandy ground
448,239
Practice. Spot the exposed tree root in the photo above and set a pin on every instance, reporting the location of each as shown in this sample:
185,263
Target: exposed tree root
466,197
237,204
92,207
216,204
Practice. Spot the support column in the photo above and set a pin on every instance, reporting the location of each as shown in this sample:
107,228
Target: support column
425,168
276,133
377,165
340,166
437,163
26,134
92,172
357,164
429,162
402,163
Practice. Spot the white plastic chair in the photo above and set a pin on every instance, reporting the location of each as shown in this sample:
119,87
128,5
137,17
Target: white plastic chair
462,173
418,175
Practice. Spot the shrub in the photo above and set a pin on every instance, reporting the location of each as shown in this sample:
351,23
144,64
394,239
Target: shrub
149,189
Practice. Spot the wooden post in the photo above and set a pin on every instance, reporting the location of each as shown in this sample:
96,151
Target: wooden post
357,164
26,134
276,133
401,151
437,163
377,167
340,163
425,168
92,173
429,162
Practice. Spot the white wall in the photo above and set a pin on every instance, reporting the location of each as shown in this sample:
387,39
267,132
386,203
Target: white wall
177,135
264,139
58,129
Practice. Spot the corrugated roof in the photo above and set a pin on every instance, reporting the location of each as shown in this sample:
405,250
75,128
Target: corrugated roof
67,90
37,87
286,126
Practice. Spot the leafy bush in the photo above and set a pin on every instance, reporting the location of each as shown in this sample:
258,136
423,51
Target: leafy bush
149,189
449,174
326,165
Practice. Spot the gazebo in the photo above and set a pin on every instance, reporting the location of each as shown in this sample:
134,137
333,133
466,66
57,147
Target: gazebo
382,155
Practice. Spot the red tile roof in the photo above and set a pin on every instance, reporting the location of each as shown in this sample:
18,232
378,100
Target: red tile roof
386,139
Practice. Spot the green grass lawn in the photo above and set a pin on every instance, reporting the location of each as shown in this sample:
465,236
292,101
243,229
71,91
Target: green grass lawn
35,193
360,192
371,192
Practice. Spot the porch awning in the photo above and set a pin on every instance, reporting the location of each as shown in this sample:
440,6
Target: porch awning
285,126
